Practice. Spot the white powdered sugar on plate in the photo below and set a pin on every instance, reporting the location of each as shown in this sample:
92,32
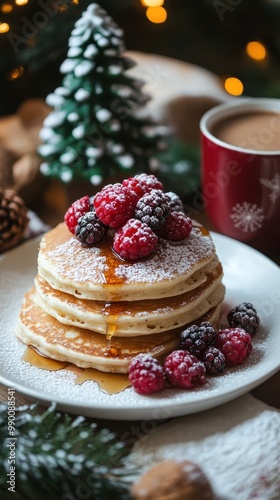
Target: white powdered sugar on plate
245,270
236,445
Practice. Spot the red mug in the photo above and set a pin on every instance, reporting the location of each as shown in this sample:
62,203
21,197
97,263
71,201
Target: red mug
241,180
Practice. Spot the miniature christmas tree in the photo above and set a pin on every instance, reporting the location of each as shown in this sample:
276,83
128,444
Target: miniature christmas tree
95,130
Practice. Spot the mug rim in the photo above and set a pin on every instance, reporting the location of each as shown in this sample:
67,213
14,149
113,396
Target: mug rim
232,108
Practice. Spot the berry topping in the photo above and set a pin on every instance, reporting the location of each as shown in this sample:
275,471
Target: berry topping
75,211
146,374
153,208
149,182
176,227
196,338
90,229
235,344
137,186
115,204
183,370
244,316
134,240
176,204
214,360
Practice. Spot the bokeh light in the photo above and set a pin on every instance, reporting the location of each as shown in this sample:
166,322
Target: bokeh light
21,2
152,3
234,86
6,8
156,14
16,73
256,50
4,27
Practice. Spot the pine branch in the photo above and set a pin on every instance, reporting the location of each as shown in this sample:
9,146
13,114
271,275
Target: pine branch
58,457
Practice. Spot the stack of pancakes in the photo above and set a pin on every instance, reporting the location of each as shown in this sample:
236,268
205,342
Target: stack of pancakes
92,309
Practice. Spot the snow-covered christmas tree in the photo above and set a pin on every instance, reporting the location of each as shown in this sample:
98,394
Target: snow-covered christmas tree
97,127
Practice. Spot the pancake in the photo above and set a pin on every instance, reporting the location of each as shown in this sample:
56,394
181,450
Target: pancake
96,273
130,319
88,349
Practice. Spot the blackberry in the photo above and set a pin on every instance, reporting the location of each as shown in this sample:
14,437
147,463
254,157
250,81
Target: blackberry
90,229
196,338
153,209
244,316
214,360
176,204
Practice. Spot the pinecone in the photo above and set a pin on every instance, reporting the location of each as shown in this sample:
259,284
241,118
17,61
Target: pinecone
13,218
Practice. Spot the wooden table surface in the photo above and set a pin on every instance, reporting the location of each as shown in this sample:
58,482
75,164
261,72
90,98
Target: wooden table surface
51,211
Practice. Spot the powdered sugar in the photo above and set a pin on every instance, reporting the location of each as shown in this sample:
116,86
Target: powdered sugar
79,264
236,445
171,259
92,265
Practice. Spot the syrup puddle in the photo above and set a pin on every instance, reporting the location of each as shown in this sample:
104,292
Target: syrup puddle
111,383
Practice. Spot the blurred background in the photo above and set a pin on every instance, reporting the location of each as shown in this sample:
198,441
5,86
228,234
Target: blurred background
238,40
222,49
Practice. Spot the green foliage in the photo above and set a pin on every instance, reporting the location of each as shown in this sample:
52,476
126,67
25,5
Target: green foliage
180,169
60,457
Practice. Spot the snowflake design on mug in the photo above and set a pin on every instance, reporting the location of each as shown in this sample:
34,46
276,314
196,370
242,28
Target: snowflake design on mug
273,185
247,216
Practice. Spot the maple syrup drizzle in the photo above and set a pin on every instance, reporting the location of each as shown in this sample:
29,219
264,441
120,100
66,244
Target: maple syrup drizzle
111,383
32,357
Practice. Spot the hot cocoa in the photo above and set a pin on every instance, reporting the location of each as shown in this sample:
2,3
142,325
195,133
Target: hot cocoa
258,130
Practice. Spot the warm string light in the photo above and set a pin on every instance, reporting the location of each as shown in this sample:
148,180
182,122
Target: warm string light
4,27
256,50
156,14
6,8
16,73
155,11
21,2
152,3
234,86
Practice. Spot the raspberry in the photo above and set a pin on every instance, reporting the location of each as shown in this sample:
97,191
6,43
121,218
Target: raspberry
214,360
134,240
235,345
90,229
149,181
137,186
75,211
244,316
176,227
196,338
176,204
182,369
153,208
115,204
146,374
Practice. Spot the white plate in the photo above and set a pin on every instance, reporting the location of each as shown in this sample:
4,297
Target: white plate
249,276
